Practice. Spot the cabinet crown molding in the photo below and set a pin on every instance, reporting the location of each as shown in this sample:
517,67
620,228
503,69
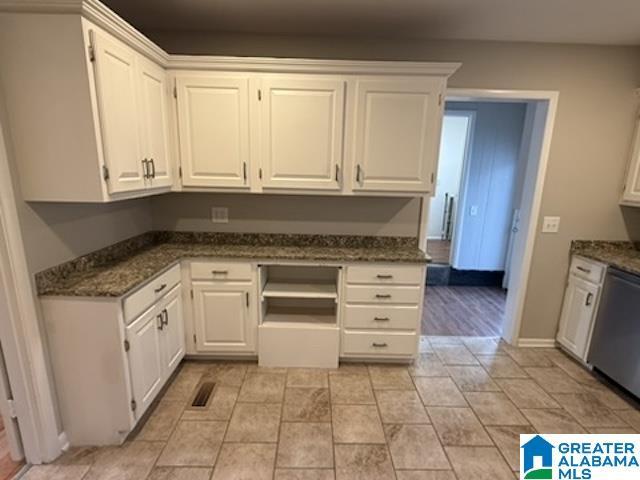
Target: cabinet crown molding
98,13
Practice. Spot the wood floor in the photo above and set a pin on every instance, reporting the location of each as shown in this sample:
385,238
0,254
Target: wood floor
463,311
439,250
8,468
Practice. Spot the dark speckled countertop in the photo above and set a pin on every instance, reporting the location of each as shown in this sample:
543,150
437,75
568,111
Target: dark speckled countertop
621,255
118,269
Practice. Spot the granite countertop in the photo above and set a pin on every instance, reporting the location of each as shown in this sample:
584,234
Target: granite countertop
621,255
116,270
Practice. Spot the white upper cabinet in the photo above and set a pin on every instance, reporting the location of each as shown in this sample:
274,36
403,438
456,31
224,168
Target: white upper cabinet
302,132
154,123
117,94
213,125
631,193
397,133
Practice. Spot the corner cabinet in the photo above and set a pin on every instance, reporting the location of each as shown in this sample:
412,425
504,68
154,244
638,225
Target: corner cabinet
90,119
397,134
580,305
631,191
112,356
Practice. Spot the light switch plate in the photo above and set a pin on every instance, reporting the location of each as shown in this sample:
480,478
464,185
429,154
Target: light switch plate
550,224
219,214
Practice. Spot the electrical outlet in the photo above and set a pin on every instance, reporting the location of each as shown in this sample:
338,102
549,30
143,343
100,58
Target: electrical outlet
473,211
219,214
550,224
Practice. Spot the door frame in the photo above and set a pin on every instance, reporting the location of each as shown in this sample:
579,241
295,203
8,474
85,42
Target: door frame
464,178
21,335
546,104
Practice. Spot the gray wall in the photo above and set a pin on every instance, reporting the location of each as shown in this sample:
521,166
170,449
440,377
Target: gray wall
288,214
590,145
489,184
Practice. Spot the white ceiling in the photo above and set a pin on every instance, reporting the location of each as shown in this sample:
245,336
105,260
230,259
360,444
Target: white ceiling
607,22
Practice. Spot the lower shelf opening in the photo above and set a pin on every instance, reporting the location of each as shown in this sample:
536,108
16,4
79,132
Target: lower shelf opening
316,312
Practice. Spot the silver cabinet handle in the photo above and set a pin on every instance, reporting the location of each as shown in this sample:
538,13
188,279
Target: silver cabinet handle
160,288
379,345
381,319
337,173
582,269
384,277
165,316
358,171
145,168
160,321
219,272
380,295
589,299
153,169
244,171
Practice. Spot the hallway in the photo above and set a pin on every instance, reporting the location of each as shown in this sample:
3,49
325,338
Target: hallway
463,311
8,468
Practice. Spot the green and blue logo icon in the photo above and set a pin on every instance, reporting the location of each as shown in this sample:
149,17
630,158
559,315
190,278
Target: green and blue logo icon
537,459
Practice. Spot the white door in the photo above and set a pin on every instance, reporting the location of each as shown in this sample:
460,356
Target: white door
397,134
116,88
225,318
302,132
213,125
145,359
632,186
172,336
578,312
154,121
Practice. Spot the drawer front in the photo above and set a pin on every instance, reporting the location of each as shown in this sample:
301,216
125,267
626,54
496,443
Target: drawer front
221,271
382,317
383,294
587,270
379,344
150,293
385,274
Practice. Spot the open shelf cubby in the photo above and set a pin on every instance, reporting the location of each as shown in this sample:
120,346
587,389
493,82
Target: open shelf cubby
300,295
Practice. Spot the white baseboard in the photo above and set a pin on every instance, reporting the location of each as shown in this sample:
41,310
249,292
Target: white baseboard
537,342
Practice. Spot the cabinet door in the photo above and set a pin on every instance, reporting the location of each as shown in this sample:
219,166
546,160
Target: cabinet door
172,335
578,312
632,185
117,95
213,125
145,359
397,134
225,318
302,132
154,120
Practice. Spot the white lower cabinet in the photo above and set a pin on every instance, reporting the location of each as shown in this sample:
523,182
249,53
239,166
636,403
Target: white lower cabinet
112,356
224,311
155,345
382,311
580,306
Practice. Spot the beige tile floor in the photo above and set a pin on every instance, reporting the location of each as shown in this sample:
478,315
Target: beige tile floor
455,414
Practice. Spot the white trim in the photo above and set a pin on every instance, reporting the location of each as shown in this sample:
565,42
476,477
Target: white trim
304,65
537,343
513,315
21,336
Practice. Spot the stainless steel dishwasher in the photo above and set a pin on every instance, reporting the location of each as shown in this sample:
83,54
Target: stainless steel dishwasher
615,344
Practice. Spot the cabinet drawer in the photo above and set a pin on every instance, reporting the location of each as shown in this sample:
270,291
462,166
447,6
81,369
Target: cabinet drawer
379,344
219,271
383,294
137,302
587,270
382,317
385,274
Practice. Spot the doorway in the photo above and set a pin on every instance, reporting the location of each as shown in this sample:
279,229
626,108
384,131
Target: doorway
11,454
481,224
